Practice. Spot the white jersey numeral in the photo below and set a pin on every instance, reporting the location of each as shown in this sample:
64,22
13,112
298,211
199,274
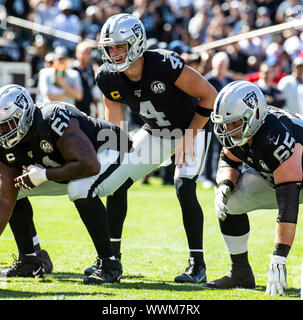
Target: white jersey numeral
59,124
148,111
282,154
175,62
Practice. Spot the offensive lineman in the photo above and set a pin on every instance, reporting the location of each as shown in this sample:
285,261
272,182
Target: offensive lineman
53,143
170,97
270,142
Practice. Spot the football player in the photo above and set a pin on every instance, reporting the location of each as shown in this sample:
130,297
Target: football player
61,151
175,103
269,142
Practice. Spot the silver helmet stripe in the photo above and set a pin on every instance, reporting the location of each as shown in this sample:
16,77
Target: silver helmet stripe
224,93
113,23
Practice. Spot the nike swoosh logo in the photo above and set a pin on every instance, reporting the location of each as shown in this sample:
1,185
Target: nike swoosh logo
277,140
36,272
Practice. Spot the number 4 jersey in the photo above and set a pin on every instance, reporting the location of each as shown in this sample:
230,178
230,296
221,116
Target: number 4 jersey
49,122
155,97
273,143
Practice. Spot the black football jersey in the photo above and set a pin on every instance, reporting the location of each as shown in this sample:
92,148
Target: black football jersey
49,122
155,97
273,143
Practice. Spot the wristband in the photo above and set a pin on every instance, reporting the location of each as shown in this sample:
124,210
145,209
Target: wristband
281,250
227,182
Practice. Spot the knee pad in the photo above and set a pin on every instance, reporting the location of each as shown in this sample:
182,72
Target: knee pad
235,225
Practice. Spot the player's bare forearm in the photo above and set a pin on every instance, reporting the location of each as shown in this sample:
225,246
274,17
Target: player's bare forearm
70,171
228,167
78,166
79,154
285,233
227,173
196,124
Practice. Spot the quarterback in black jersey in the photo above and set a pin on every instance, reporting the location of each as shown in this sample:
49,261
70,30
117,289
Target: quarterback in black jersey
60,151
175,103
269,141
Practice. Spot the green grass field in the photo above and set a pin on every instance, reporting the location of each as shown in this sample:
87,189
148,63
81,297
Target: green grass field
154,251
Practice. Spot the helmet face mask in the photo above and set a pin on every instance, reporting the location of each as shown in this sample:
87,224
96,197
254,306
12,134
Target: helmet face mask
112,62
16,114
239,100
8,132
122,29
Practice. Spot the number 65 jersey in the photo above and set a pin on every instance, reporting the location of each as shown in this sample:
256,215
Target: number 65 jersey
155,97
273,143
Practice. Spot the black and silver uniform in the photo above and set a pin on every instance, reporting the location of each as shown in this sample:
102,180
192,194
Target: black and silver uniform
49,122
155,97
273,143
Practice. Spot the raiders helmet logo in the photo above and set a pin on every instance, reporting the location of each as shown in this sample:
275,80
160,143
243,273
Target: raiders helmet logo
46,146
251,100
137,30
21,101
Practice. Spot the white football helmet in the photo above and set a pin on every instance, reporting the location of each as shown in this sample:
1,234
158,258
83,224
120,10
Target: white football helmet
239,100
16,114
122,28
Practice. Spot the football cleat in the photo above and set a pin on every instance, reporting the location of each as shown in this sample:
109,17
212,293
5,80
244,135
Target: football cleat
45,260
24,266
109,271
237,277
90,270
194,273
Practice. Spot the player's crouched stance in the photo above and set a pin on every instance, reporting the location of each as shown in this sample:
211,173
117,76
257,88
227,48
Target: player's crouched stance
52,143
269,142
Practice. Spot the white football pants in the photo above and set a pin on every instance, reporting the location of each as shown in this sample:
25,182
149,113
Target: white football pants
252,192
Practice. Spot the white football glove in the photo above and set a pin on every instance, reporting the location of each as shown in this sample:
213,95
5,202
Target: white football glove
223,193
276,276
32,177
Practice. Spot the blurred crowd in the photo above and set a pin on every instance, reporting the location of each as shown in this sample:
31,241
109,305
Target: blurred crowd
273,61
